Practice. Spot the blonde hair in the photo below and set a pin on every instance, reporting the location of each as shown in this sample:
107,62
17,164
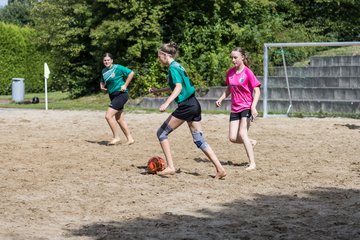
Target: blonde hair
244,54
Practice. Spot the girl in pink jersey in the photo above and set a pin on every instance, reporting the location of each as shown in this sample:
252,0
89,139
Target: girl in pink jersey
245,93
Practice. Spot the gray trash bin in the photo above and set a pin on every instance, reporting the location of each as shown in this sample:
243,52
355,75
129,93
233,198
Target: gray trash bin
18,89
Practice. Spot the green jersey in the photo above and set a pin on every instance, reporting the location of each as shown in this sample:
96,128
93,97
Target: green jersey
115,77
177,74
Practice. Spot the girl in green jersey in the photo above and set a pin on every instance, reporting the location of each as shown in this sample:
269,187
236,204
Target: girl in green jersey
115,80
189,110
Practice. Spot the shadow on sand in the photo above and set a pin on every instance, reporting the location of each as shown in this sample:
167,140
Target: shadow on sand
329,213
102,143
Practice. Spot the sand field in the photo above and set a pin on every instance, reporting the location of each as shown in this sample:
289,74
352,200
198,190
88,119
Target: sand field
60,180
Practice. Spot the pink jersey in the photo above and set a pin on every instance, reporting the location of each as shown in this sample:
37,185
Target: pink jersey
241,86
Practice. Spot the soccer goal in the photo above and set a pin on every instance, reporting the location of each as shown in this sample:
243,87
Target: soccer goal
327,84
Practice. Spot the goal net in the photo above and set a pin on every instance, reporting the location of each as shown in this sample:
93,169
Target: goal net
324,84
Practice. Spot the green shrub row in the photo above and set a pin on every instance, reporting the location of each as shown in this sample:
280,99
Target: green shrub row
20,58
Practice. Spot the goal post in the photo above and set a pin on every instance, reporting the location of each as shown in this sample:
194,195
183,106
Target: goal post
284,45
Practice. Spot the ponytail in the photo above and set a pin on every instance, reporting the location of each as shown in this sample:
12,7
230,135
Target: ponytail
170,48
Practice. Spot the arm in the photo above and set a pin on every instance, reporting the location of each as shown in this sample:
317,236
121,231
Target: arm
159,90
255,101
225,94
173,95
127,82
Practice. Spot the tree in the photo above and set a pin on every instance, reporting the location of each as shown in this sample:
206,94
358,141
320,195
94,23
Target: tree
338,19
63,29
79,32
78,38
17,12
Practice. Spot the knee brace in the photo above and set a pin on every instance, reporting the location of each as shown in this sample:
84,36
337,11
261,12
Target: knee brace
199,140
163,132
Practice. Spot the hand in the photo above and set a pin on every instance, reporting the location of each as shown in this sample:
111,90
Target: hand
123,88
254,114
163,107
153,90
102,87
218,103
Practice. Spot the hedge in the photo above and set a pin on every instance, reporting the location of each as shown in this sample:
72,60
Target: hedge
21,58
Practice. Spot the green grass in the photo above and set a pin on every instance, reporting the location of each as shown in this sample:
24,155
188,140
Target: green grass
95,102
59,100
325,115
100,101
333,51
62,101
339,51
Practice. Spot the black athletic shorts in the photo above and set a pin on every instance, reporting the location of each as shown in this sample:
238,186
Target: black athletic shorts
237,116
118,100
188,110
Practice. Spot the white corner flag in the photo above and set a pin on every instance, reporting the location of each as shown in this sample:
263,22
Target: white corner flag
46,71
46,76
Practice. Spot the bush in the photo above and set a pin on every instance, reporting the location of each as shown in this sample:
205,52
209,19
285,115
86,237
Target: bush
19,57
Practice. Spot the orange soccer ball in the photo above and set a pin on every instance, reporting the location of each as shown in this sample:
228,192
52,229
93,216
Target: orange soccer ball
155,164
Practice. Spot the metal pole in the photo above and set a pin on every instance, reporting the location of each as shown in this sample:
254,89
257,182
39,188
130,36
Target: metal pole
46,95
287,80
265,95
313,44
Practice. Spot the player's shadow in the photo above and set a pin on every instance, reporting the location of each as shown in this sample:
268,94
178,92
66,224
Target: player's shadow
103,143
179,170
230,163
201,160
324,213
351,126
187,172
224,163
144,170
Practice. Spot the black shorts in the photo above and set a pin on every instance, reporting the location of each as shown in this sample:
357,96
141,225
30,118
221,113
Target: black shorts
237,116
188,110
118,100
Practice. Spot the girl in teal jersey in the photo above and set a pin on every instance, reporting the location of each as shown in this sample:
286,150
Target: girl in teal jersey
115,80
189,110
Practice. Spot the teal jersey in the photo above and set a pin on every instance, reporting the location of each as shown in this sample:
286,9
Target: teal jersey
115,77
177,74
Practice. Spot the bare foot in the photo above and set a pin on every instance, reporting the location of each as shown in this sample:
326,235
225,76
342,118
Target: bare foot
251,167
166,171
129,142
220,175
114,141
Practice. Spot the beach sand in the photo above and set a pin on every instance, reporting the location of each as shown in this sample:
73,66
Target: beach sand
60,180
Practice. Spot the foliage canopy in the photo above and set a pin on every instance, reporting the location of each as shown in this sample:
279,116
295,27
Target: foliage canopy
78,33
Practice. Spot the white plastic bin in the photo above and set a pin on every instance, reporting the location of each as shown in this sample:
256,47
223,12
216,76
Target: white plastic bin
18,89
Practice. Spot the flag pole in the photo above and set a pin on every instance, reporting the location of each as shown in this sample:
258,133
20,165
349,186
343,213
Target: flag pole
46,76
46,97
